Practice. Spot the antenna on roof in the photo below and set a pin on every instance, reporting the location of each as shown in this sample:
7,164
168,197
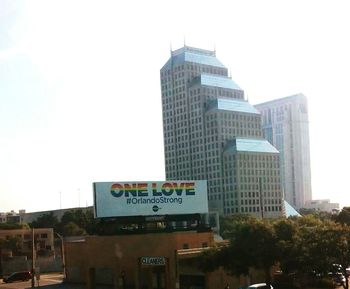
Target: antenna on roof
171,49
230,73
184,41
214,49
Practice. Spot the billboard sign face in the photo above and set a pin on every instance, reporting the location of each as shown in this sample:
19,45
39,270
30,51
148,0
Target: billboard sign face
121,199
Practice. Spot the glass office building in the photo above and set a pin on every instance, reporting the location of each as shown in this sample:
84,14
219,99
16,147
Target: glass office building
212,133
286,125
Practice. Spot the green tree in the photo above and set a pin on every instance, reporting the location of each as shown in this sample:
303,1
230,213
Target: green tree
47,220
287,236
10,226
344,216
309,244
322,215
13,243
306,211
72,229
83,219
229,225
324,245
253,243
300,245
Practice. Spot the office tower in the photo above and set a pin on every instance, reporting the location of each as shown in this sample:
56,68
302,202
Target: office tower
286,126
212,133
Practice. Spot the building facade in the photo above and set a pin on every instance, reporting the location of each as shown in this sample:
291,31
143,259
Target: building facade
32,216
158,260
286,125
212,133
43,238
11,217
324,205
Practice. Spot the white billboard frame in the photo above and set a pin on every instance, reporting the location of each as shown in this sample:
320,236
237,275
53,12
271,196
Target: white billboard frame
127,199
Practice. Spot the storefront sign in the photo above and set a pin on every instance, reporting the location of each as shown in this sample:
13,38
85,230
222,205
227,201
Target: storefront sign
155,261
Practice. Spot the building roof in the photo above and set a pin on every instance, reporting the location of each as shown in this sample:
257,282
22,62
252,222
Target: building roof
251,145
194,55
216,81
290,211
283,100
232,105
30,217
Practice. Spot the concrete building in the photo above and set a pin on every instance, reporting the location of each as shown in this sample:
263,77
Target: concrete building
11,217
322,205
158,260
3,218
212,133
47,257
32,216
44,239
286,125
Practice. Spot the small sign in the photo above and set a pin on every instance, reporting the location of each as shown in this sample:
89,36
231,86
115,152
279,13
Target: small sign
155,261
154,218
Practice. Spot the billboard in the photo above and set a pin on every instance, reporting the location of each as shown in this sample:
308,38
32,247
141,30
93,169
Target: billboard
122,199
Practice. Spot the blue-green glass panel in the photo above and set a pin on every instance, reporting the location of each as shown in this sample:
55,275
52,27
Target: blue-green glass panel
203,59
254,145
251,145
236,105
218,81
290,211
197,58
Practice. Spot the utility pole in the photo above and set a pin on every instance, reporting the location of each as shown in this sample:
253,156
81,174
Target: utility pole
33,258
0,258
62,256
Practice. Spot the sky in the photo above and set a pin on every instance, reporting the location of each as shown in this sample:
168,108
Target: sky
80,96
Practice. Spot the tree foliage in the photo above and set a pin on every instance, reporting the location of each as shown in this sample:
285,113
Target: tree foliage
82,219
253,243
72,229
73,223
229,225
48,220
12,226
322,215
344,216
300,245
77,222
12,243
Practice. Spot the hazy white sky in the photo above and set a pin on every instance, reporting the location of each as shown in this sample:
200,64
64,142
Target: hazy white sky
80,90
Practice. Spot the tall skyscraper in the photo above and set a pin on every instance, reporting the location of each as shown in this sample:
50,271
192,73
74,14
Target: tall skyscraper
212,133
286,126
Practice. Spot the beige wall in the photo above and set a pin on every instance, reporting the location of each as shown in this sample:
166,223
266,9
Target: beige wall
109,256
106,257
43,236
